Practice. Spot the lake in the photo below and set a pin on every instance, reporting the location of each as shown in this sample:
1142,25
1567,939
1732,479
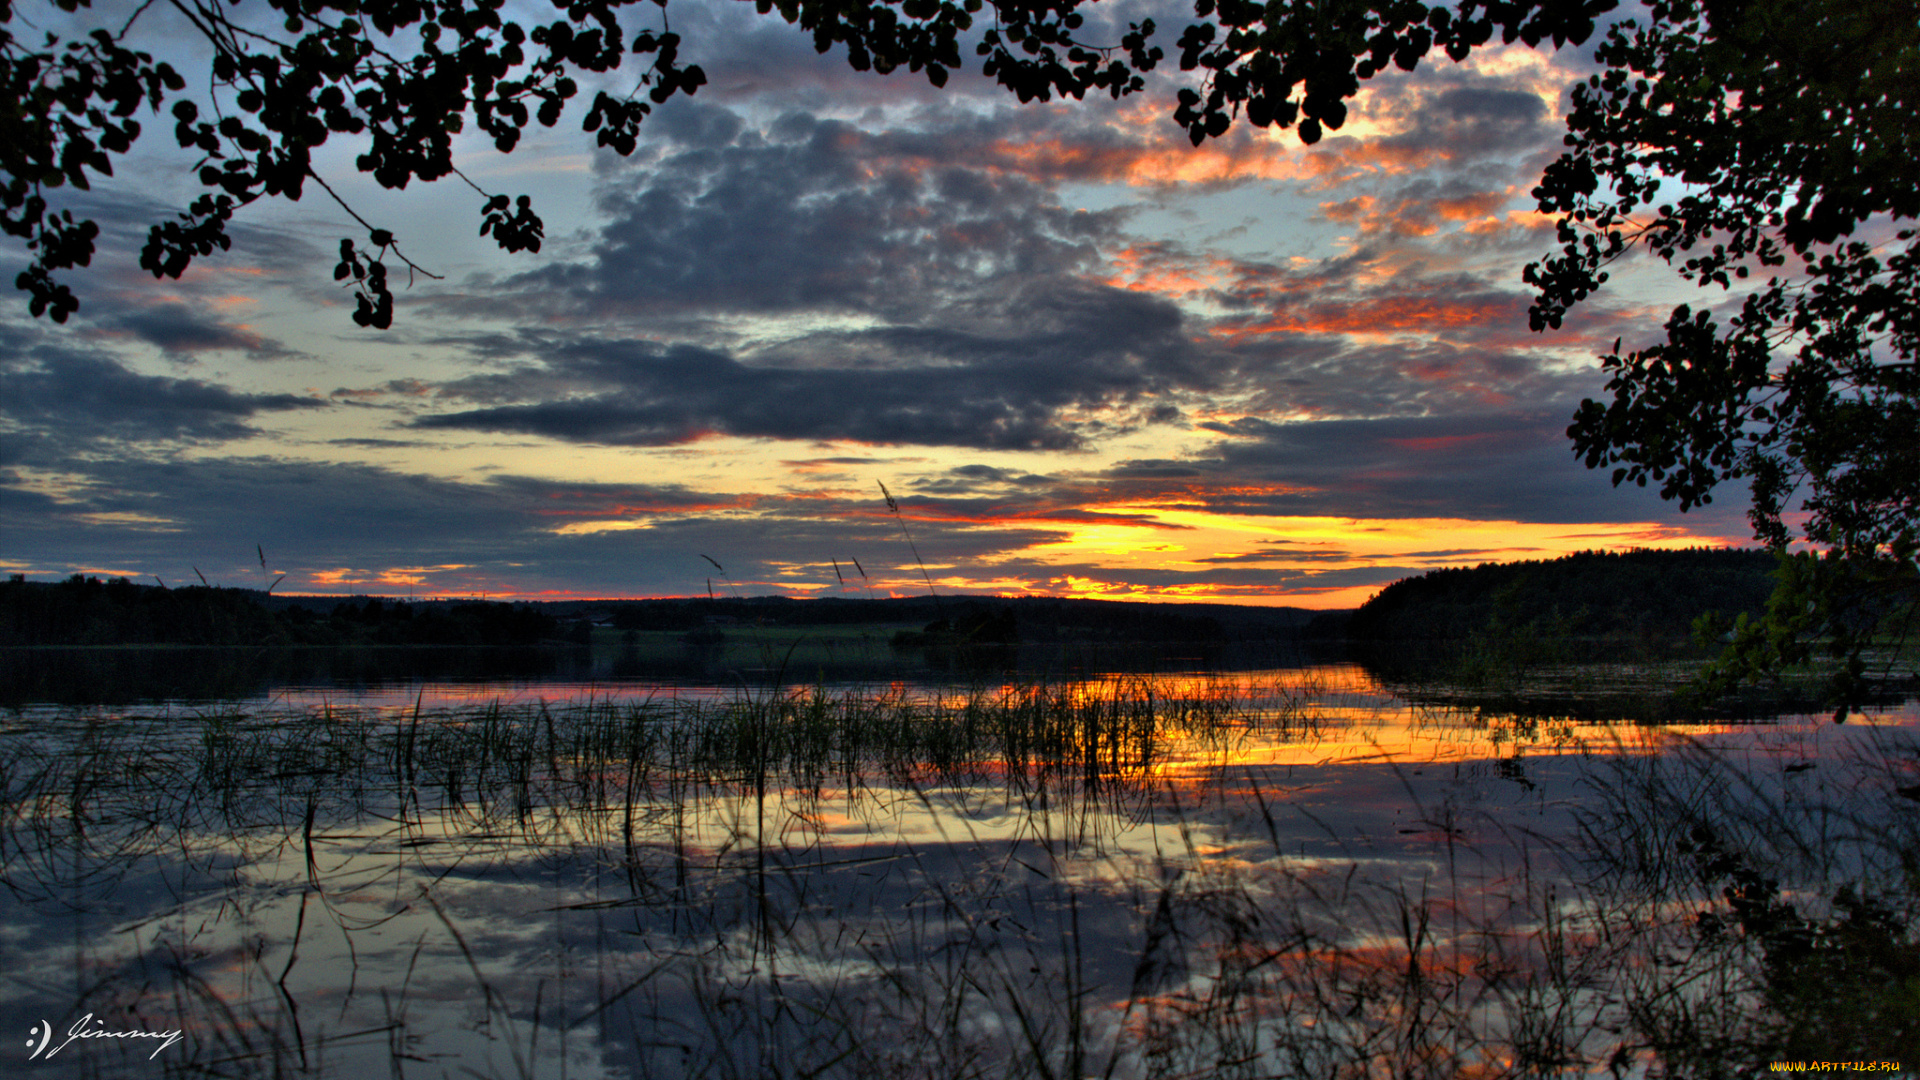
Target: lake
1287,870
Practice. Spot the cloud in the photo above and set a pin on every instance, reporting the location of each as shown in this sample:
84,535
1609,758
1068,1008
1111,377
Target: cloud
162,517
179,330
804,255
805,214
915,278
1422,208
971,479
1042,363
805,278
750,58
1471,122
294,509
1439,307
63,399
1513,465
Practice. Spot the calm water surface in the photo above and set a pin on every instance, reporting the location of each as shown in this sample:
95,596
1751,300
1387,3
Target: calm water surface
1270,872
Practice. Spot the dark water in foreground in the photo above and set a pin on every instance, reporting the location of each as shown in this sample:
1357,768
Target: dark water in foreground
1283,871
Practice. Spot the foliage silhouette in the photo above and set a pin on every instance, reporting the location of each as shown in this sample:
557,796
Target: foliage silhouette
1843,986
403,77
1783,130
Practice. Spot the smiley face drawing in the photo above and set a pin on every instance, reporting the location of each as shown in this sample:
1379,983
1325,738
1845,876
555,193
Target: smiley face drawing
45,1031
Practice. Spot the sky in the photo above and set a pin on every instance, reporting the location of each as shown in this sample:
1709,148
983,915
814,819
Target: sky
1085,357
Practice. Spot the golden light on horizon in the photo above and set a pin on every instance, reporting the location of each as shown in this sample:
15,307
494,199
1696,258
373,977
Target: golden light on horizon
1211,543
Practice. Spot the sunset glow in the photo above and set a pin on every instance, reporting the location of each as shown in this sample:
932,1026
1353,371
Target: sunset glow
1086,357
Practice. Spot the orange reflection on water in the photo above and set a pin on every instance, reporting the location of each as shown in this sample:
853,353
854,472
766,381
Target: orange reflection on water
1271,850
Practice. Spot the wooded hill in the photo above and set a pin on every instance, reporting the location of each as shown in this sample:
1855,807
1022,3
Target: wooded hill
1640,595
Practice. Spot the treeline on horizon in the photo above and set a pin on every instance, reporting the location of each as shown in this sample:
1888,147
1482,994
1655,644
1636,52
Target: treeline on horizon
88,611
1642,595
1026,619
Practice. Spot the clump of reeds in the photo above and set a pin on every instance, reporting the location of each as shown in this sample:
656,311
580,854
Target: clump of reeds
967,929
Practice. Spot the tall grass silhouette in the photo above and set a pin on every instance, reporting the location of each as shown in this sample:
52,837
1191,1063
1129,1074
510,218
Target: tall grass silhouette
893,507
803,883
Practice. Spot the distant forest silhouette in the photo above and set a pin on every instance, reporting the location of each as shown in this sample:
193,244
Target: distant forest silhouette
88,611
1636,594
1632,595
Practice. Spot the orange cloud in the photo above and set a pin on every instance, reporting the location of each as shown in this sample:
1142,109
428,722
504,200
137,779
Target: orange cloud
1160,163
1447,442
1415,216
1467,207
1149,268
1522,221
1391,314
1348,211
393,576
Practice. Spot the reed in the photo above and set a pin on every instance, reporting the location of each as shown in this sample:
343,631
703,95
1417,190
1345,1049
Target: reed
794,882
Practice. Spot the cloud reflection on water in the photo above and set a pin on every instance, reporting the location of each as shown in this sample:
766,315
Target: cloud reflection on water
336,887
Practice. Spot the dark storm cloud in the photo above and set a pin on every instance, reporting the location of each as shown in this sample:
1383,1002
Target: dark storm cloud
1464,124
1515,465
1323,375
21,503
972,479
1164,469
696,124
949,240
126,216
552,499
806,215
180,330
69,398
381,444
1490,105
1509,465
1014,368
750,57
